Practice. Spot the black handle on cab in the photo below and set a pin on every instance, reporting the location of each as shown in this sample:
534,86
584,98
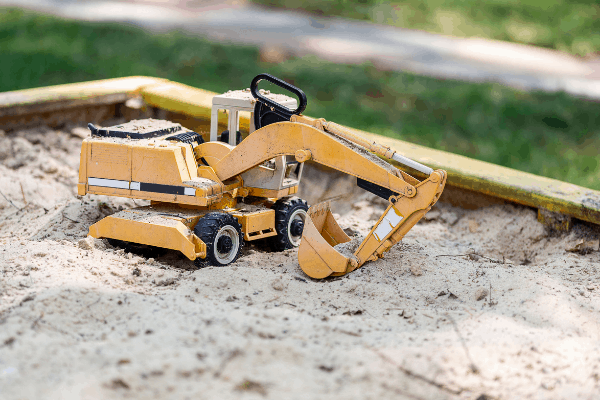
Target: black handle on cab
282,84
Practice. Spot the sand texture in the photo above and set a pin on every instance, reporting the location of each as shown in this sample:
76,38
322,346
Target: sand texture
476,304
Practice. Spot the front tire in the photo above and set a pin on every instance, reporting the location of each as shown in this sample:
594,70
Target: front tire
223,237
290,216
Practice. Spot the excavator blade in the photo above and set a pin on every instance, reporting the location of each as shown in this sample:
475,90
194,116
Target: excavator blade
316,255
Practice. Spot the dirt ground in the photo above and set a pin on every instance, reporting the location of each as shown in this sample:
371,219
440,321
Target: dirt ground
473,304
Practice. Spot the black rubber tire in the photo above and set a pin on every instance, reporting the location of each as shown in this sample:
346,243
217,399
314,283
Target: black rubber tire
212,229
288,236
139,249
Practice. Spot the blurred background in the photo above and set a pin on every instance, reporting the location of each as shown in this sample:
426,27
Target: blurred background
511,82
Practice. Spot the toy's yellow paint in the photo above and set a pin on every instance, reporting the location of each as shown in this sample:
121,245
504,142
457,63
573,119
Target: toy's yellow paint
257,225
190,160
157,162
208,173
156,227
165,232
285,138
212,152
272,194
108,160
83,157
316,255
409,211
162,165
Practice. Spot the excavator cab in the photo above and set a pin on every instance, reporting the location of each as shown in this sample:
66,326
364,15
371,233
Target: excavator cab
270,107
262,107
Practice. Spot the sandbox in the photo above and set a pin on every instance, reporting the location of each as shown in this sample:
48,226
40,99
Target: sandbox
473,304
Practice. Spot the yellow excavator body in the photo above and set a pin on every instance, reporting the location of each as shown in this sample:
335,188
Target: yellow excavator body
209,197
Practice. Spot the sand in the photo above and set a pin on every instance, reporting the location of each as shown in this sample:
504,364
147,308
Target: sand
473,304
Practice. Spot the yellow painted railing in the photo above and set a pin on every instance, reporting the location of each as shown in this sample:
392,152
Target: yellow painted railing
465,173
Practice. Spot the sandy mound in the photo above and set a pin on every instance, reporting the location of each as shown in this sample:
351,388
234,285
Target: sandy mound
472,303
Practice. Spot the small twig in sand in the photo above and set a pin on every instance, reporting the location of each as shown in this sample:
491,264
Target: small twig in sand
273,299
349,333
37,321
95,302
70,219
490,259
23,193
235,353
472,365
420,377
64,216
7,199
333,198
59,209
471,255
491,303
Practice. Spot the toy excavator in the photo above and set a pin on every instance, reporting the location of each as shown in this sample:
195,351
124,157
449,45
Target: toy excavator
208,198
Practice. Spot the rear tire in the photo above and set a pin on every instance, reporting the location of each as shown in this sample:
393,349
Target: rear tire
222,234
290,216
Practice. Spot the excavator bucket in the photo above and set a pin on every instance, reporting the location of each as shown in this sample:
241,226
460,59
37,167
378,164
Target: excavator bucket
316,254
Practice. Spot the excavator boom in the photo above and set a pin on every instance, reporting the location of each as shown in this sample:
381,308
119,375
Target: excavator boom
306,142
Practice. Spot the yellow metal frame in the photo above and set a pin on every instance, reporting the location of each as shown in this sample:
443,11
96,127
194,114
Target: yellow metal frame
161,227
168,233
464,173
257,225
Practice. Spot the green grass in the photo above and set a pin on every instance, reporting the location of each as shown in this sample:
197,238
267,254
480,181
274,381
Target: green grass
572,26
554,135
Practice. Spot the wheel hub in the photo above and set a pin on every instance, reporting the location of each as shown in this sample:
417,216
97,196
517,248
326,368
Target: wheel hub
297,227
225,244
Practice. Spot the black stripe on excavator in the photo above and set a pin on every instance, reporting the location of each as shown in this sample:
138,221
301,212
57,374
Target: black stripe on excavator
187,137
158,188
141,186
377,190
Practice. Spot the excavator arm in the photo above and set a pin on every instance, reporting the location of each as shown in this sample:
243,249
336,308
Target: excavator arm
339,148
306,142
